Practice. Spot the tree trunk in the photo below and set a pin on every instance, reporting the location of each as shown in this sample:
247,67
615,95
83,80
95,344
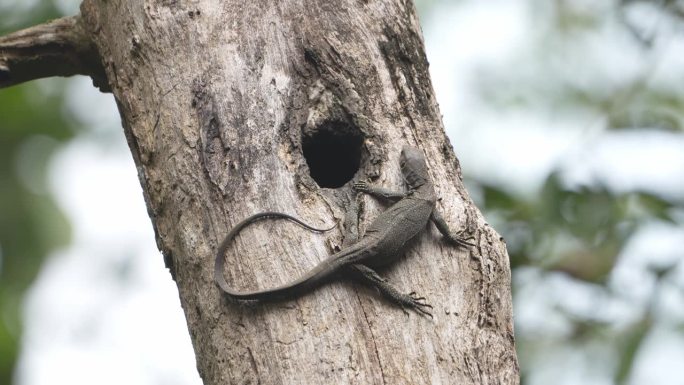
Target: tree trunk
236,107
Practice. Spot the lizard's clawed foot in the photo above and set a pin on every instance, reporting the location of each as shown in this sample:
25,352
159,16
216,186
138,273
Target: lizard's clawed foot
460,241
361,186
415,303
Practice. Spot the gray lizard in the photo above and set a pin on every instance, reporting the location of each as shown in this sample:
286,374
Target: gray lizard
384,240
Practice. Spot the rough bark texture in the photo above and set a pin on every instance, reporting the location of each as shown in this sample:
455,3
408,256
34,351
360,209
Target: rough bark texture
218,99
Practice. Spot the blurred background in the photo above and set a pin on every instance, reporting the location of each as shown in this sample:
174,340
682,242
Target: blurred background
568,119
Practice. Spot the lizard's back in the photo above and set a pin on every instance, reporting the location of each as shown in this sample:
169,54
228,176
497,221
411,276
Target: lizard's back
394,227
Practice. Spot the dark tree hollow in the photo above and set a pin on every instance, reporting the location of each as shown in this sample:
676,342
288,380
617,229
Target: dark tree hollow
333,153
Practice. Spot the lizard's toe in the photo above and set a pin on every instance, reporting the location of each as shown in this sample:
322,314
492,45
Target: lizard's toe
360,186
459,241
417,304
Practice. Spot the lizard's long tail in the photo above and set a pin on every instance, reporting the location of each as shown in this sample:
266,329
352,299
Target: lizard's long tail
323,269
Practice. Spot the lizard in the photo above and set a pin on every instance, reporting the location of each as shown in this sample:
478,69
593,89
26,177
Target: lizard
383,242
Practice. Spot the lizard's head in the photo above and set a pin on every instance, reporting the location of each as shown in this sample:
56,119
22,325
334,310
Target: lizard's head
413,167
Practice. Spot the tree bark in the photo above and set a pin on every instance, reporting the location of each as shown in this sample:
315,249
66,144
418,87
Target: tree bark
220,100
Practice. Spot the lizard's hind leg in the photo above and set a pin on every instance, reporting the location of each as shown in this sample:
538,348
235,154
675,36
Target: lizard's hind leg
406,301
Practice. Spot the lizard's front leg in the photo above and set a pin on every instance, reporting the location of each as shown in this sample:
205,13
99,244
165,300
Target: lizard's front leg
444,229
406,301
381,193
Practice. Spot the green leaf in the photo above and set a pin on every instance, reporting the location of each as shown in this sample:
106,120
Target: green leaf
631,344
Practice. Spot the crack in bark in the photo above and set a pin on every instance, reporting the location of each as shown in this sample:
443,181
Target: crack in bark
370,329
252,362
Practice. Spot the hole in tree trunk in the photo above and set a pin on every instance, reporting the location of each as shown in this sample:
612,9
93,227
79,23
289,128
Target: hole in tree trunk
333,153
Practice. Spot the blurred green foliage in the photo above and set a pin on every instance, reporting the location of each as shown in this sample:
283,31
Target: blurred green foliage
578,231
581,231
31,128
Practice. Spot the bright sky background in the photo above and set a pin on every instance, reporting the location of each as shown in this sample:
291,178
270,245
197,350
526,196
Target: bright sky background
86,325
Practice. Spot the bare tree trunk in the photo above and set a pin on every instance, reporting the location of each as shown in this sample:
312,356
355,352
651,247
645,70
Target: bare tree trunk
235,107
